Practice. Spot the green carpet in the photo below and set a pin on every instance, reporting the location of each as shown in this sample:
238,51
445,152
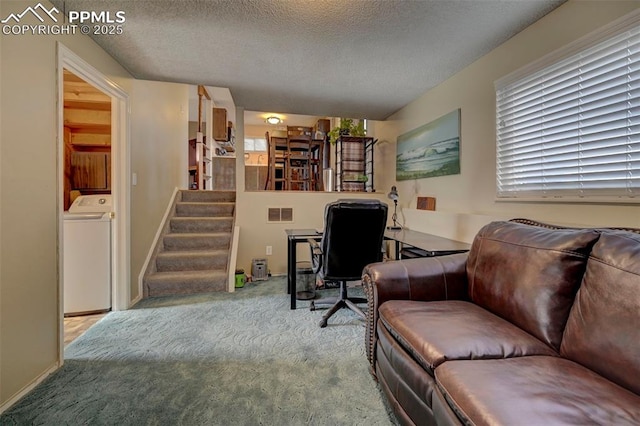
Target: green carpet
240,358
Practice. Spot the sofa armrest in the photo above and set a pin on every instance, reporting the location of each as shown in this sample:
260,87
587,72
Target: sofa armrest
425,279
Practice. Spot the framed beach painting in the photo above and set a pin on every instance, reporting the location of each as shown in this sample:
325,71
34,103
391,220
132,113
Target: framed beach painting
430,150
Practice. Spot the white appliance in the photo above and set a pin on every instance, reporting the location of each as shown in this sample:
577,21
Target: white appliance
87,255
259,270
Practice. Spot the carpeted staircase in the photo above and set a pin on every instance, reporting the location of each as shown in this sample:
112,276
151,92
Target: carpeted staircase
193,252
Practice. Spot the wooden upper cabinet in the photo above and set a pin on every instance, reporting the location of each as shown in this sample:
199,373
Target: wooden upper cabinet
220,124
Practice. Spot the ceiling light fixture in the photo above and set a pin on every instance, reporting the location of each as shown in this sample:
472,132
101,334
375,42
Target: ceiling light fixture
273,120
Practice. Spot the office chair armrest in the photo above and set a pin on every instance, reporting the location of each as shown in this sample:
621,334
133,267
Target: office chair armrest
316,255
424,279
315,247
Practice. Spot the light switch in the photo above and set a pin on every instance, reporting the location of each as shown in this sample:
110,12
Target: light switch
134,179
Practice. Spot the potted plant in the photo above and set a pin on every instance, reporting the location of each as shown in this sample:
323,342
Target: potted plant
347,128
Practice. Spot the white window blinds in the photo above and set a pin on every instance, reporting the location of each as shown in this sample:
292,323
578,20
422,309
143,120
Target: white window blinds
572,128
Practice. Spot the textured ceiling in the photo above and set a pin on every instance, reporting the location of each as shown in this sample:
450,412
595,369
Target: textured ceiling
349,58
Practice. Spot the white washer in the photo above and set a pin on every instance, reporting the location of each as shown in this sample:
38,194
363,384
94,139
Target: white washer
87,255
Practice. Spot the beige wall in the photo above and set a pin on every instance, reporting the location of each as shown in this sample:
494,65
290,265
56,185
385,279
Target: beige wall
472,90
193,129
29,316
159,158
258,131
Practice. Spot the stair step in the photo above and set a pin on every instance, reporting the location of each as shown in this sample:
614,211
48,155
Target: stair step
197,241
185,282
196,260
207,196
200,224
194,251
196,209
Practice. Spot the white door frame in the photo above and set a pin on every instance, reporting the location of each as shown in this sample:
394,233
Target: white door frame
120,182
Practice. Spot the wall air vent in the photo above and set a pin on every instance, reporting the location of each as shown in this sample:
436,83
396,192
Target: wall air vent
279,214
286,214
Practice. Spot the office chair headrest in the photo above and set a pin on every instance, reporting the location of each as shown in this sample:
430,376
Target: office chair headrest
347,202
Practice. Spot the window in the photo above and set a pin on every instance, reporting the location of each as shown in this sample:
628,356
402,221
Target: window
255,144
568,126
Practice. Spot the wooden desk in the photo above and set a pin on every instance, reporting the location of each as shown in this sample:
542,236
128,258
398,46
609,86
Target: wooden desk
432,245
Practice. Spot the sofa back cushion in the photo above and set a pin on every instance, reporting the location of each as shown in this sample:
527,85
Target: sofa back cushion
529,275
603,329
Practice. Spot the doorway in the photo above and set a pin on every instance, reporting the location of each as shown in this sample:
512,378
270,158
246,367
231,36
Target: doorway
107,174
87,199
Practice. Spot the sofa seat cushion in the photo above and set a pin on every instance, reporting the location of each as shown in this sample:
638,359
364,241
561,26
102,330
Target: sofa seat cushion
434,332
535,390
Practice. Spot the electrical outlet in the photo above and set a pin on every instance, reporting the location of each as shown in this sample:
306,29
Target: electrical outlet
269,250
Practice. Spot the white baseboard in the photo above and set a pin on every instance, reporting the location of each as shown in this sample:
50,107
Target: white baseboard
29,387
136,300
235,238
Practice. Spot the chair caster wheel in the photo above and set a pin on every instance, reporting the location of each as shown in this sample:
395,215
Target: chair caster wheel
312,306
323,323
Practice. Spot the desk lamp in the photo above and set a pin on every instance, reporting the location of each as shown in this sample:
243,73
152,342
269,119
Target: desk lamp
393,195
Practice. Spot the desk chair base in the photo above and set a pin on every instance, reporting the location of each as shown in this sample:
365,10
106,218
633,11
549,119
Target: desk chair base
343,301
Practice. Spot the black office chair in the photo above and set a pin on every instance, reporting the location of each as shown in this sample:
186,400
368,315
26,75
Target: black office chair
352,238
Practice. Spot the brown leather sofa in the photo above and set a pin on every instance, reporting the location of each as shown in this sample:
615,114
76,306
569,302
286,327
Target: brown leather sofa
535,325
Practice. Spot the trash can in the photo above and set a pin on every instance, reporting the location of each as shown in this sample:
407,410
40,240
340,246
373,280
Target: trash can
241,278
327,176
305,281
